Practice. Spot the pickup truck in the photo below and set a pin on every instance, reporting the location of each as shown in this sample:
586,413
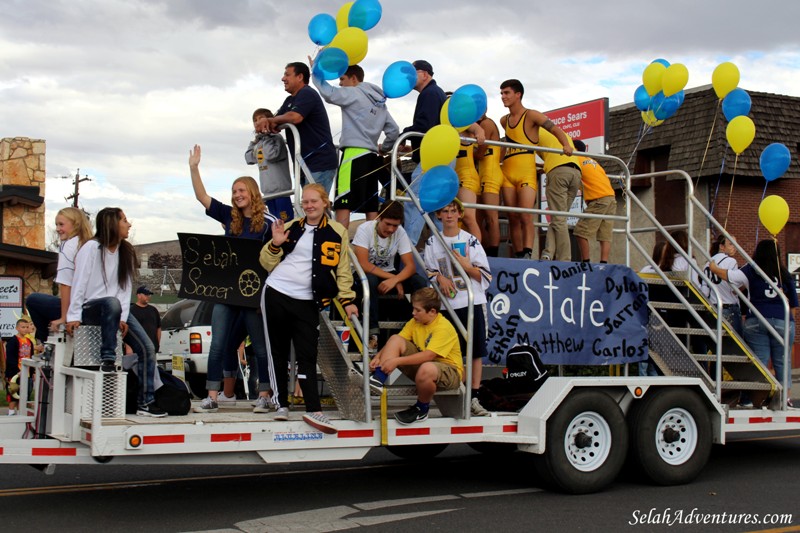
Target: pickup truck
186,331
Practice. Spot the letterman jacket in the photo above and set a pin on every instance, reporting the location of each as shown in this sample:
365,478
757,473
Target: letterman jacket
331,269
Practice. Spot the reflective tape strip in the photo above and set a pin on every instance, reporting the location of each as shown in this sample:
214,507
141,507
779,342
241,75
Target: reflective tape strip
410,432
511,428
463,430
164,439
231,437
355,433
60,452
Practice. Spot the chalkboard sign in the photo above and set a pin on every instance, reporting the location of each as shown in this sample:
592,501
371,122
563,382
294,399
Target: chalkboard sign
572,313
221,269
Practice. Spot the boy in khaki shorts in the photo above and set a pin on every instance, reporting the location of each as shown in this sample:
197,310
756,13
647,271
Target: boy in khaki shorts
600,200
426,350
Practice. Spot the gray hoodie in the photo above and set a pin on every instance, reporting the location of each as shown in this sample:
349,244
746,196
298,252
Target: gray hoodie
364,115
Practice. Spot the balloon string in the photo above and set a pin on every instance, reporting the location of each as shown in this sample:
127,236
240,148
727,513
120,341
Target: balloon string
763,194
730,195
708,143
719,180
645,129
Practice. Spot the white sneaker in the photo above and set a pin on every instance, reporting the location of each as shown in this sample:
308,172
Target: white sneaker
262,405
227,400
12,412
282,414
207,406
477,409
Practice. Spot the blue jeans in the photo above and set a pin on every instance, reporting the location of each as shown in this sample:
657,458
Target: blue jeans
733,314
43,308
409,286
765,346
141,344
223,321
325,177
106,313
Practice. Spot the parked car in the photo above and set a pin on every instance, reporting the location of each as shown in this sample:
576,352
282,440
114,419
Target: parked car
186,331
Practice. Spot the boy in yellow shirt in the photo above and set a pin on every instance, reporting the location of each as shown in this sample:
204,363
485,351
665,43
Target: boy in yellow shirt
426,350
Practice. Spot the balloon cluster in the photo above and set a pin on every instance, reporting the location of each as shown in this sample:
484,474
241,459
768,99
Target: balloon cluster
344,37
661,92
345,43
735,106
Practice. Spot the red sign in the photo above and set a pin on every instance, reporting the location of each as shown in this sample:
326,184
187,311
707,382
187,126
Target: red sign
583,121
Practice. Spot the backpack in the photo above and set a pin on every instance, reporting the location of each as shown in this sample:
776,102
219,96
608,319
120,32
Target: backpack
173,396
525,374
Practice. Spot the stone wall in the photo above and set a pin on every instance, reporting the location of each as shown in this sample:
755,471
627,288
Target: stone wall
22,162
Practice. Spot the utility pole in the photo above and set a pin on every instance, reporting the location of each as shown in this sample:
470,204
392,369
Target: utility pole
78,180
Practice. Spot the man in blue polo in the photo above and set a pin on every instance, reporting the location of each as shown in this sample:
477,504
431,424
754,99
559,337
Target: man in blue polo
304,108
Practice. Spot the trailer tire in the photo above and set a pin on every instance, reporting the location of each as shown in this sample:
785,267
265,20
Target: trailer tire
670,436
418,452
586,443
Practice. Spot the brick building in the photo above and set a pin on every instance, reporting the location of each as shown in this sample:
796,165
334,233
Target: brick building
694,140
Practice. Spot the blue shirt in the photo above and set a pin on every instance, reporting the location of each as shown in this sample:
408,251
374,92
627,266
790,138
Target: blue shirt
222,213
765,299
316,143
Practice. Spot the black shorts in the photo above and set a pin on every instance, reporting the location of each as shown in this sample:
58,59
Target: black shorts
357,181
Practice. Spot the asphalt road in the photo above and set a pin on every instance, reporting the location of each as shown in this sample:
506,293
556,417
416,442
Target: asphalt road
460,490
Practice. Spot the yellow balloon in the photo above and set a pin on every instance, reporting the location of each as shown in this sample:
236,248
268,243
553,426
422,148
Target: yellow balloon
650,119
773,213
725,78
439,146
342,16
354,43
740,133
675,79
652,78
444,118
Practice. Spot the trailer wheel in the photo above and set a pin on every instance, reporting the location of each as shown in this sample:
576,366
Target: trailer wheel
671,436
417,452
586,443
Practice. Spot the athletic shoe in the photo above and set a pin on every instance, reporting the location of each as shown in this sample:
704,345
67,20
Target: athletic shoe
745,403
207,406
477,409
410,415
527,255
789,403
544,257
227,400
262,405
321,422
282,414
108,367
151,410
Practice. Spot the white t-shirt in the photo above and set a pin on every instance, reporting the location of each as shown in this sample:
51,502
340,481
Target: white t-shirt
96,277
382,251
438,261
66,261
292,276
726,293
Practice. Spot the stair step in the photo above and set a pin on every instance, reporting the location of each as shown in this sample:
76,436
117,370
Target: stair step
675,305
383,324
692,331
725,358
746,385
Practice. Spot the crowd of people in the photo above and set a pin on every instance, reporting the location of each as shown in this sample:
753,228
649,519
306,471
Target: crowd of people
306,254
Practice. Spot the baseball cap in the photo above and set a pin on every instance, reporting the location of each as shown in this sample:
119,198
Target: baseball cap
421,64
144,290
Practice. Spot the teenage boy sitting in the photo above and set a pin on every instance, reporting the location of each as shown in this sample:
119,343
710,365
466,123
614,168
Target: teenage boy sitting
426,350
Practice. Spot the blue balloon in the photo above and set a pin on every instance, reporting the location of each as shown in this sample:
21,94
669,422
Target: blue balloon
775,160
322,29
467,105
438,187
680,96
365,14
736,103
331,63
662,61
641,98
399,79
664,106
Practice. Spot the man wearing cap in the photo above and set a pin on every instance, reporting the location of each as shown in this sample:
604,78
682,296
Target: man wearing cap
147,315
426,115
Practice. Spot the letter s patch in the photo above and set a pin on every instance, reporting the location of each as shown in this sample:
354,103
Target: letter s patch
330,253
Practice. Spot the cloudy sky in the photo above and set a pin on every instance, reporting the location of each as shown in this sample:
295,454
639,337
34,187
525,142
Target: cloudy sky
123,89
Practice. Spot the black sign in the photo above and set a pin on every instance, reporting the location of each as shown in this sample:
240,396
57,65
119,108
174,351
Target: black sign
221,269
